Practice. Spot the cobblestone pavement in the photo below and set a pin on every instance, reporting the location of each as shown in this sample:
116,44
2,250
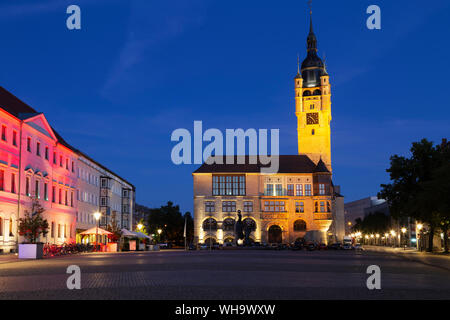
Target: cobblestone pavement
243,274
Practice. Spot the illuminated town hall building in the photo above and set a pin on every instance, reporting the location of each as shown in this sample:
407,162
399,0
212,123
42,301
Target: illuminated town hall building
300,200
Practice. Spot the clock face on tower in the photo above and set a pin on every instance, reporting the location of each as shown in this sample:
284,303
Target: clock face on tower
312,118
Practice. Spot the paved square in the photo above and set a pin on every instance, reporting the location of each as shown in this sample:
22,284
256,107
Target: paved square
233,274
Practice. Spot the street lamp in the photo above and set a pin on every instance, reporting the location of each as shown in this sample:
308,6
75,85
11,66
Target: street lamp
419,227
159,234
97,216
140,226
403,232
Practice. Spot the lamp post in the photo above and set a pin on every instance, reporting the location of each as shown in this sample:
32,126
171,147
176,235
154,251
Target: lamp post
140,226
403,232
97,216
393,233
419,227
159,234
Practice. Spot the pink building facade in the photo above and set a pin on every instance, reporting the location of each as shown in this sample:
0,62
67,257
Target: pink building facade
35,161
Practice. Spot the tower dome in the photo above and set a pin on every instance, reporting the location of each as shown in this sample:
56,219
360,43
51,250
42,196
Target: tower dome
312,67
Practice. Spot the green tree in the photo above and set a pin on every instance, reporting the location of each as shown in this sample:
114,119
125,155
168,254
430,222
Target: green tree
170,220
376,222
32,225
113,227
413,182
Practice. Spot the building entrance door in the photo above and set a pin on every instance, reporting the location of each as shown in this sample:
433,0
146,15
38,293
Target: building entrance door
275,234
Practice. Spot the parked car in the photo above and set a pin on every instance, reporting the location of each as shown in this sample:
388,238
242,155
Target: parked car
310,246
347,246
192,247
335,246
358,247
322,246
273,246
204,246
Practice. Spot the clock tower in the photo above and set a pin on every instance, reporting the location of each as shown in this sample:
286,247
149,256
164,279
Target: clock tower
313,104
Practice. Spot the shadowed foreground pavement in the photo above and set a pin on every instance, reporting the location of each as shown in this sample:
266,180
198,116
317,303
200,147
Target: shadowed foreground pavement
225,274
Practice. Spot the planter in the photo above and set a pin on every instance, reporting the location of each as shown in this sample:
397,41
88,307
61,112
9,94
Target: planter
111,247
31,250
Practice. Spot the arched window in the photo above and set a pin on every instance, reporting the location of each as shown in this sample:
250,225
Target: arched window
1,226
299,225
306,93
317,92
228,240
249,222
210,241
228,224
210,224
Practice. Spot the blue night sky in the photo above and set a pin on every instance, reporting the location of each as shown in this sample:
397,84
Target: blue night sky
137,70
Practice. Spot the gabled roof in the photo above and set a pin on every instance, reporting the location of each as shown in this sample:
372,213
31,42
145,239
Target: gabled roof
16,107
287,164
321,167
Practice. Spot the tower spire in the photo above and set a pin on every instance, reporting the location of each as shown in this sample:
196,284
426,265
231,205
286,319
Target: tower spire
311,40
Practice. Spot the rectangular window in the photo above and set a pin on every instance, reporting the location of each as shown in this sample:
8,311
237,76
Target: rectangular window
54,157
38,149
3,133
46,153
248,206
290,189
59,230
71,198
321,189
73,166
229,206
307,189
66,200
13,183
27,186
299,190
233,185
269,190
322,206
52,230
274,206
14,140
36,189
210,206
60,161
2,180
279,189
46,191
299,207
67,164
53,194
60,196
29,144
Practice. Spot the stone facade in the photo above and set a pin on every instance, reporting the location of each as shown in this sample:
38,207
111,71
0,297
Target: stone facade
297,202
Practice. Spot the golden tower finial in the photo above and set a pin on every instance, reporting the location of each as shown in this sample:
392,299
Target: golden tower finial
310,6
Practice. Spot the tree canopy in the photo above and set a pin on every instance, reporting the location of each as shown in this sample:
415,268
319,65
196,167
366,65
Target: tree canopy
419,187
